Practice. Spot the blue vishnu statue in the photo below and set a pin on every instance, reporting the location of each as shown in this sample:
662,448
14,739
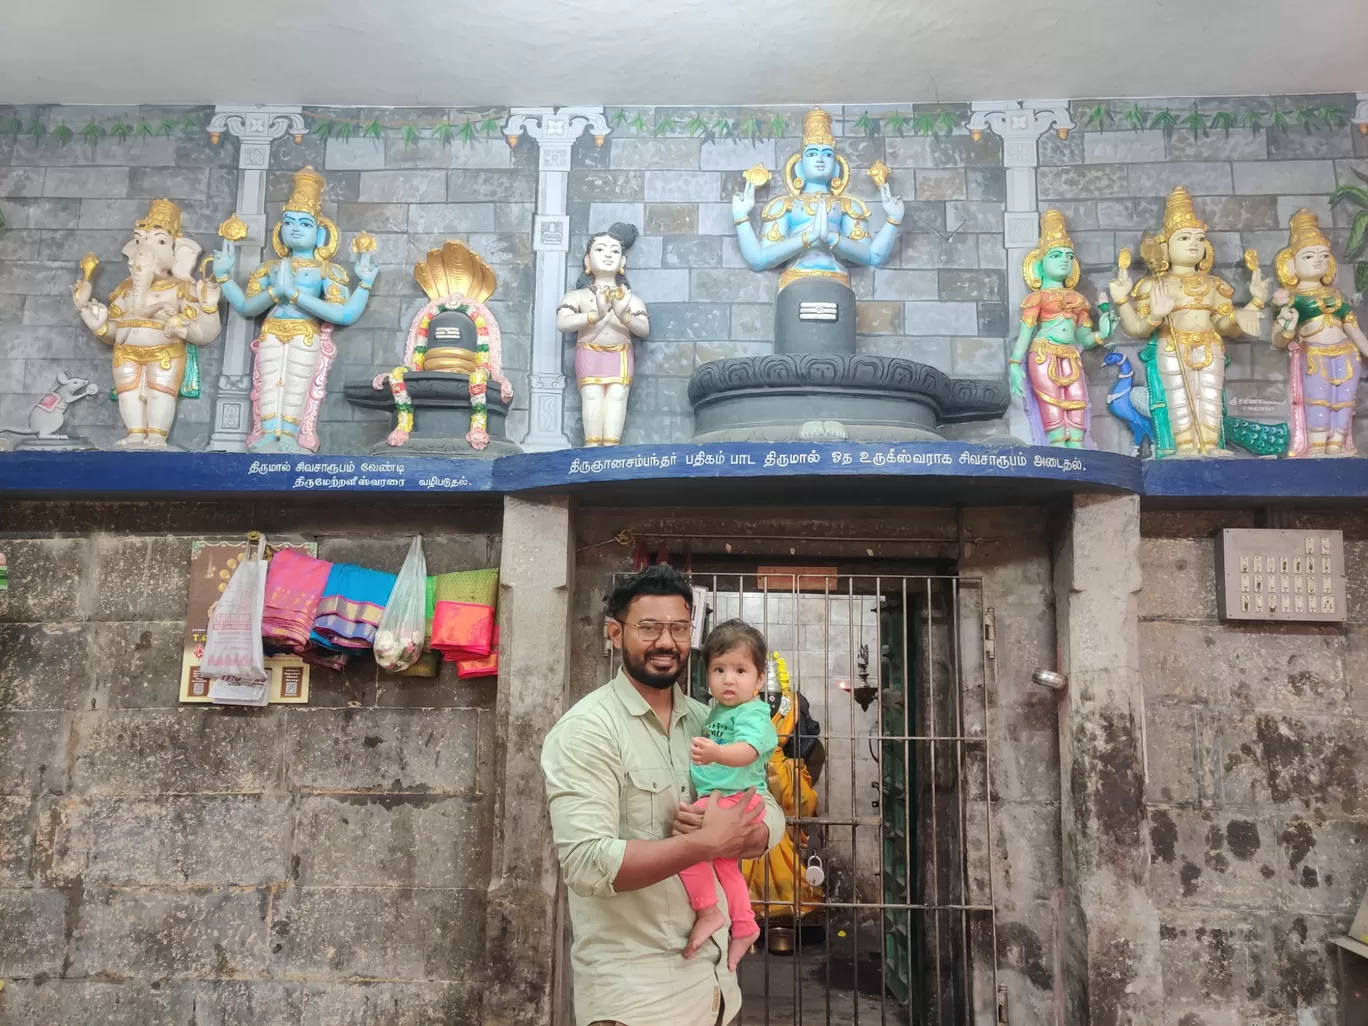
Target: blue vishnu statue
816,229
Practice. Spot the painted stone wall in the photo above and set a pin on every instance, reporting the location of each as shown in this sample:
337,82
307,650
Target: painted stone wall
62,201
1257,775
1110,182
323,865
937,301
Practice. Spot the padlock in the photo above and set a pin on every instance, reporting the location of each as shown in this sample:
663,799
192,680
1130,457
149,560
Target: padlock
814,874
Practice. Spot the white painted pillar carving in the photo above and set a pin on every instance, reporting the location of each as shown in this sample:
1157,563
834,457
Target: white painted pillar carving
1020,124
555,129
257,127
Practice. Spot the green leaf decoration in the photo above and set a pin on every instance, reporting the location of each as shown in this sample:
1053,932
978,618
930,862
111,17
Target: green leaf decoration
1309,117
145,129
1280,120
868,125
750,128
121,131
778,125
322,130
1333,117
190,126
1135,117
1222,121
1195,121
1361,176
1098,116
93,132
924,124
166,128
2,220
639,123
948,121
620,118
723,128
1350,192
897,122
410,135
1165,121
62,133
490,127
1252,120
467,132
37,130
1357,232
696,125
444,132
374,130
343,130
664,126
13,127
1361,277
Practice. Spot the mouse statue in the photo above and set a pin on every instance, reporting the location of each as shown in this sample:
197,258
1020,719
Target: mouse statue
47,419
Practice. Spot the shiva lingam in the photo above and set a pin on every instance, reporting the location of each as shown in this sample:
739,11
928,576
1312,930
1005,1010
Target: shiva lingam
815,387
440,397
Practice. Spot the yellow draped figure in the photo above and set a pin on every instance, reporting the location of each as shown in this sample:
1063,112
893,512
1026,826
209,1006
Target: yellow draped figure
791,784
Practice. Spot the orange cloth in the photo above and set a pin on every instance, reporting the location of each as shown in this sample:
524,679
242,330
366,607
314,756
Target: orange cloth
1047,305
480,666
463,613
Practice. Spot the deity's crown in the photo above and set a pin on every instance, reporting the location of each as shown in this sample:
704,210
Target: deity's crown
1304,230
1178,212
1053,231
307,195
163,214
817,128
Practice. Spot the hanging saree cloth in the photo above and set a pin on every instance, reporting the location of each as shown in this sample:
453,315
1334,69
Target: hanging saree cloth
349,612
294,586
463,614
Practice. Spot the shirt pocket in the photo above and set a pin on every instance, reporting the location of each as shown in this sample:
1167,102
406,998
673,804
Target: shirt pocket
646,789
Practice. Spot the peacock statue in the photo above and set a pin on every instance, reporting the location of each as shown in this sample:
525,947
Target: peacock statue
1129,404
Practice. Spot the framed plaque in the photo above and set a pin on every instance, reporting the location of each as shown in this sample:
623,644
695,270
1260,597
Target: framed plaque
1280,576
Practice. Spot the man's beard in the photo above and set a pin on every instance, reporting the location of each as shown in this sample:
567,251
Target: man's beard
642,673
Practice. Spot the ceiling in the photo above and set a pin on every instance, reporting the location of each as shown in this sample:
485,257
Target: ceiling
670,52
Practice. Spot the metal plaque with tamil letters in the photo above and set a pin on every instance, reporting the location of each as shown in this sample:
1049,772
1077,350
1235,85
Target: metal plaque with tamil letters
1281,576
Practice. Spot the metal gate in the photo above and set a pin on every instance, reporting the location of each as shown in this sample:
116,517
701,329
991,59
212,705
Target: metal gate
884,771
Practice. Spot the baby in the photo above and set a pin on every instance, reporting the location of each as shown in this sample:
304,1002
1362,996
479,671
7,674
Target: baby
727,762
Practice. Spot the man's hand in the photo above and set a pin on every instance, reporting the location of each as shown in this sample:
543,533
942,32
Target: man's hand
726,828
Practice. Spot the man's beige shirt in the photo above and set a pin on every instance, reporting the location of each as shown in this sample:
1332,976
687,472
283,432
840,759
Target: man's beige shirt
613,774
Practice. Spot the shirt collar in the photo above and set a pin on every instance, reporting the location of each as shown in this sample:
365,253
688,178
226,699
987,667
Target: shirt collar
637,706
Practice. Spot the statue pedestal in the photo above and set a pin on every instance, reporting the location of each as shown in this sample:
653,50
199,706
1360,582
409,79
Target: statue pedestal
441,416
816,388
72,443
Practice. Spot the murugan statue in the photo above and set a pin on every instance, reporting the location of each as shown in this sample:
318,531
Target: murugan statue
306,295
1055,327
1185,312
604,314
815,226
155,319
1316,324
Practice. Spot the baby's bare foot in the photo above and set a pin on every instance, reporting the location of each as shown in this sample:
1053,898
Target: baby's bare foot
709,920
737,948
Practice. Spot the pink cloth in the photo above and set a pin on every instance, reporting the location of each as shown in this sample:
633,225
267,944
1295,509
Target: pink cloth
597,367
698,880
294,584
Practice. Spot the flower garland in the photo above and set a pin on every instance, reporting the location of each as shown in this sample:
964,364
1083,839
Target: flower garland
488,363
785,684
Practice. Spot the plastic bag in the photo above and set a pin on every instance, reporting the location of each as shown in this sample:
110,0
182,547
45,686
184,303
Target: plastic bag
402,629
234,659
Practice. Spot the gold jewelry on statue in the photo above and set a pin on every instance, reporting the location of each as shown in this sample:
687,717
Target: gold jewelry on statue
893,222
162,214
817,128
1255,303
740,220
1178,212
591,318
363,285
307,194
104,330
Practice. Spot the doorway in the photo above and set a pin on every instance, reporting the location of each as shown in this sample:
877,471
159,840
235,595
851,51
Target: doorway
869,910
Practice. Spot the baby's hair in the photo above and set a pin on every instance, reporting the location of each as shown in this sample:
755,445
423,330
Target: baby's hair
736,634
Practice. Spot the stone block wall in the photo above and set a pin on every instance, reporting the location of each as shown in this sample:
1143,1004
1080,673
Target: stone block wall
1110,182
1257,776
322,865
62,201
938,300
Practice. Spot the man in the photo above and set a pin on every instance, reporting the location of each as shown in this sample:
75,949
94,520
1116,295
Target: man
624,824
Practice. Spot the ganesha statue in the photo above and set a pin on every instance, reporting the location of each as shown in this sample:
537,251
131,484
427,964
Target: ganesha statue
1056,326
155,319
303,294
1315,322
1186,313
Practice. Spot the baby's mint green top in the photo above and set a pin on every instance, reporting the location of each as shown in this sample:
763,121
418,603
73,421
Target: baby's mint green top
748,722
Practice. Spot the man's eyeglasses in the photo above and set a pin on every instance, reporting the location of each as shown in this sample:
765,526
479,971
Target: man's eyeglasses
651,630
